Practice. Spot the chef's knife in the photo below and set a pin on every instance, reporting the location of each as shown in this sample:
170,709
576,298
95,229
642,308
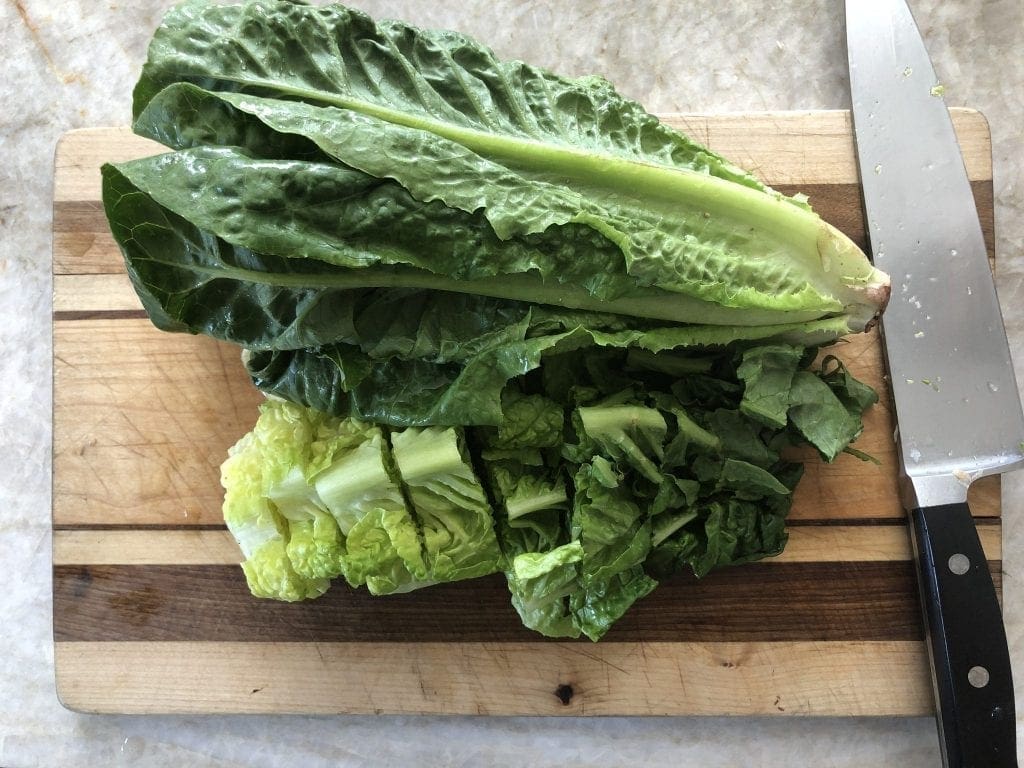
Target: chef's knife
957,404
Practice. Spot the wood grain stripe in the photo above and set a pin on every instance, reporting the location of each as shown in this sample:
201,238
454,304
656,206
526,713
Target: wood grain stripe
783,148
97,295
756,602
650,678
807,544
72,315
83,244
143,420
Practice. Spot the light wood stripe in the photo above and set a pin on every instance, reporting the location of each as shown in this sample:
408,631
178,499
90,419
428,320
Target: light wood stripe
807,544
143,420
839,678
80,154
111,292
145,547
784,152
775,146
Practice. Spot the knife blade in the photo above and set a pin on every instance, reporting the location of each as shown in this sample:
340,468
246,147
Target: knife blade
957,404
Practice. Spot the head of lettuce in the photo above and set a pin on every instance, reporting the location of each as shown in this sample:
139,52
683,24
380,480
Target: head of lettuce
482,288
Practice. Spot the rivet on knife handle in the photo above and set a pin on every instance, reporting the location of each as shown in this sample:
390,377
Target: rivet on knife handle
971,666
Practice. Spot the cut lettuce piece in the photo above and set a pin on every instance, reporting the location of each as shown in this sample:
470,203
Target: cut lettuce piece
450,504
528,421
767,372
382,545
523,489
315,544
384,550
309,497
358,481
258,466
596,608
540,564
821,417
616,539
629,434
609,523
540,583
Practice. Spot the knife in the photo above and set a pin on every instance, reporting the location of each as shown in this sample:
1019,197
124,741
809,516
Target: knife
957,405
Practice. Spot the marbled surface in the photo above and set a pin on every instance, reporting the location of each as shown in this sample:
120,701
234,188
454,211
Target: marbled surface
72,63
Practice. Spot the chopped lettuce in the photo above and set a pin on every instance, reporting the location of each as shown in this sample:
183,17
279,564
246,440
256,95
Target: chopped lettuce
592,491
265,463
616,537
381,539
450,503
540,562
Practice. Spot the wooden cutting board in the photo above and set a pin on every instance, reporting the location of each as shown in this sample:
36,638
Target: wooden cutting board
151,612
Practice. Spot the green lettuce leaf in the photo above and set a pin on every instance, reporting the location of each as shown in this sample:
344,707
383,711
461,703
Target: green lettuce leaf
260,467
556,152
540,582
616,538
382,544
628,434
767,372
540,562
450,504
309,497
342,380
820,416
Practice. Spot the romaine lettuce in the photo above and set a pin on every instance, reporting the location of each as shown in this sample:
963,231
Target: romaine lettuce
511,321
448,169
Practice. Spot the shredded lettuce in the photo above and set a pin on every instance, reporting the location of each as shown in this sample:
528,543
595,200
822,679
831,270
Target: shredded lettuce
585,499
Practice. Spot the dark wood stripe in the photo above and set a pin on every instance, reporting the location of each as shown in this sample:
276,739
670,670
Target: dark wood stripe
796,523
139,527
818,522
64,315
797,601
79,216
849,522
840,204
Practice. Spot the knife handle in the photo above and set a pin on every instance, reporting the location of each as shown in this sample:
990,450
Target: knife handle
966,640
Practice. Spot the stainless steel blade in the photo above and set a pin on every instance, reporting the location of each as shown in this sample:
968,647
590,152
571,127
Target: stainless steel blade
956,397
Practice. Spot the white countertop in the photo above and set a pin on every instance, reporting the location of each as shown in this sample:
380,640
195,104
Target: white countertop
72,63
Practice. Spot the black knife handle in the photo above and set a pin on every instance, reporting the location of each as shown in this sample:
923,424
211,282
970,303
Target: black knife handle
966,641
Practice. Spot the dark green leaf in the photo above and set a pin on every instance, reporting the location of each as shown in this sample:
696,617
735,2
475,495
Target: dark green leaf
767,373
820,416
